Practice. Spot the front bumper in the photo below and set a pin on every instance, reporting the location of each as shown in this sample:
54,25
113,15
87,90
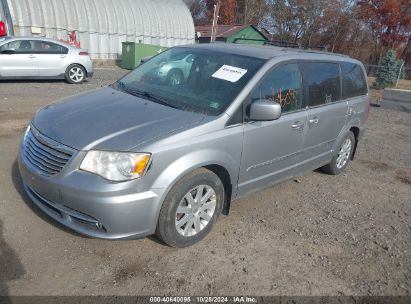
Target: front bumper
91,205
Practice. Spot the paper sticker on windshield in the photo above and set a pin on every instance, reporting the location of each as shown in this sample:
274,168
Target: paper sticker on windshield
229,73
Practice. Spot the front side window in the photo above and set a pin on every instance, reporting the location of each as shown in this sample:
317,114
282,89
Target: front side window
322,82
354,83
19,46
191,79
281,85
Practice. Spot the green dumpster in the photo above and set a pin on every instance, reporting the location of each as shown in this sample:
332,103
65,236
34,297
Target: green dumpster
133,53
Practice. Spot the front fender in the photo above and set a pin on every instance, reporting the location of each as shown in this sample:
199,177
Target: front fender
191,161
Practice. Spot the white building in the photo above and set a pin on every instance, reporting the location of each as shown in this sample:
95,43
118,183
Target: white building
101,25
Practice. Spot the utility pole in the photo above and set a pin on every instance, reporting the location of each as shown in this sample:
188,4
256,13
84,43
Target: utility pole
245,11
215,21
399,74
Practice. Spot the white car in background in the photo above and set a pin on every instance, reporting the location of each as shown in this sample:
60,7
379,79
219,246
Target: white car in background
42,58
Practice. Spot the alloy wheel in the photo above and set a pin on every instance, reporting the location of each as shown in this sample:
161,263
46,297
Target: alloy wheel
195,210
344,153
76,74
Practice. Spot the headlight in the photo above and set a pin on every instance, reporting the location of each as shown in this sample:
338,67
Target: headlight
116,166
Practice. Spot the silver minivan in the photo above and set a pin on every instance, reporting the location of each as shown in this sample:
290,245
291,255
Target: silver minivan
146,156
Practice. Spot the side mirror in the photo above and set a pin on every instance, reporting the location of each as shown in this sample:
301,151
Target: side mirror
264,110
8,51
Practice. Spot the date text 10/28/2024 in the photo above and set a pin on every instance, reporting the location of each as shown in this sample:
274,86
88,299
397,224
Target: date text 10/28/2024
206,299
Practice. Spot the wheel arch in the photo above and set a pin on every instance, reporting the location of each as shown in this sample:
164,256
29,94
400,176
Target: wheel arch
175,69
76,63
225,178
353,126
218,162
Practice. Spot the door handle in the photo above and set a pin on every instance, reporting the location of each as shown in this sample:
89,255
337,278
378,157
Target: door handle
297,126
62,56
32,56
314,121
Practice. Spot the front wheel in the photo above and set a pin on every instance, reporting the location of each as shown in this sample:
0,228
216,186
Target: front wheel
191,208
342,156
75,74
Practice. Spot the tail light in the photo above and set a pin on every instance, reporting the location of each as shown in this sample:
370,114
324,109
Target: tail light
83,53
3,31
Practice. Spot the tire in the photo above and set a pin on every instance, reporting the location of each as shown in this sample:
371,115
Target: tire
75,74
342,155
181,223
175,77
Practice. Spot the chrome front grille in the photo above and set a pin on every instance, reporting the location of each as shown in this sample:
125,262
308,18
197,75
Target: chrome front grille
45,155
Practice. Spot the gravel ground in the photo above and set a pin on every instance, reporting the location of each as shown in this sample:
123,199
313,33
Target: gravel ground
312,235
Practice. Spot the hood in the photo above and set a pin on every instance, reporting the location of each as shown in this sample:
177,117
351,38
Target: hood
107,119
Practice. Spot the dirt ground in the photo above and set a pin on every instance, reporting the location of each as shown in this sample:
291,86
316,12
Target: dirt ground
313,235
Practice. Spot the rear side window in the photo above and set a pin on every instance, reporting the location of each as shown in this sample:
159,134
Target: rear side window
322,82
353,83
45,47
281,85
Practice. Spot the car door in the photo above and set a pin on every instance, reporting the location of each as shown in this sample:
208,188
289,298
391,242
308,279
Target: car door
355,91
52,58
326,112
272,149
18,59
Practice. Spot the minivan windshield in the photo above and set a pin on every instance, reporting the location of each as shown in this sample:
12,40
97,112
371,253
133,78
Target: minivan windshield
191,79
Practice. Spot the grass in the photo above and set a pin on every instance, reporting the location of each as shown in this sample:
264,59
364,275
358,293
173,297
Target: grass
404,84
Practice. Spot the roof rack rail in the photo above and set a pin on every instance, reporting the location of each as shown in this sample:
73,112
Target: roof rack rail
316,47
270,42
283,44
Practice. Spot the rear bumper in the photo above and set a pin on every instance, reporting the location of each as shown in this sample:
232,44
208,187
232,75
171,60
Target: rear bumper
97,208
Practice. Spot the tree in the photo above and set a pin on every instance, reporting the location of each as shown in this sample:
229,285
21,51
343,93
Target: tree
387,73
337,23
406,54
389,19
198,11
297,20
251,11
227,11
363,29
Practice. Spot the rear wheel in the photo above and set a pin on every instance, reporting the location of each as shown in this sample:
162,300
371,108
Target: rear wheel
342,156
191,208
75,74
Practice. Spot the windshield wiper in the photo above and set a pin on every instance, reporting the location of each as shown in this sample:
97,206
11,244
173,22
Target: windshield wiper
148,95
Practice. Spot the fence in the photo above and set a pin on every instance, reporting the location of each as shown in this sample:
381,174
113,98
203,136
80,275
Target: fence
405,72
